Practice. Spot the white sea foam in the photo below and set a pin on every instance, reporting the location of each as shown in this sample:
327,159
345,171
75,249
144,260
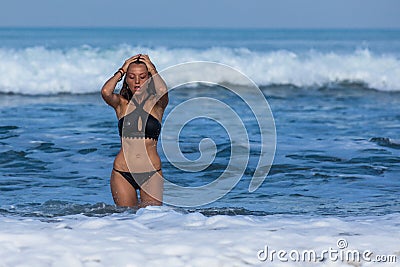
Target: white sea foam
38,70
164,237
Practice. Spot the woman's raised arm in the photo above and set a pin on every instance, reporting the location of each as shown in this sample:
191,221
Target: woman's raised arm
107,92
159,84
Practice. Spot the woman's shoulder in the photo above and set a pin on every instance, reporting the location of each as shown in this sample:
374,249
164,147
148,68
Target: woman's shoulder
122,106
161,100
155,100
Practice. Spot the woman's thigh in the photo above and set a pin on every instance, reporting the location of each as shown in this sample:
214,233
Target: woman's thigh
122,191
151,192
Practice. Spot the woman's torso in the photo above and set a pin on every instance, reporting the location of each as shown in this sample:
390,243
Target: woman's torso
139,125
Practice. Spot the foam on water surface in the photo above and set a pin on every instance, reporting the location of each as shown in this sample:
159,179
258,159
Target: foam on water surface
161,236
42,71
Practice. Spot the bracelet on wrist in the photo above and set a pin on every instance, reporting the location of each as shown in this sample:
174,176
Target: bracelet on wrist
120,71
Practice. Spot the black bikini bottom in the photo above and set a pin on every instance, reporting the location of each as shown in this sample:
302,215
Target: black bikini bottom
136,179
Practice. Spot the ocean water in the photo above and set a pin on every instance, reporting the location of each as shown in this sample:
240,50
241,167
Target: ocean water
334,96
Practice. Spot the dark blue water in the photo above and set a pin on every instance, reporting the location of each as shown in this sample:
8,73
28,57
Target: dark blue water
337,153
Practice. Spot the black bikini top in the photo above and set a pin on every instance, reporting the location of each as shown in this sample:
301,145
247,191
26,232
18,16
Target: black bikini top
129,125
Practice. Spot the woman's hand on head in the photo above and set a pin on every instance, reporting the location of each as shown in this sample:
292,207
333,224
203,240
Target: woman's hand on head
129,61
146,60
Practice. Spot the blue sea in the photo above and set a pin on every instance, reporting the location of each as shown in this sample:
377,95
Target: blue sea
334,96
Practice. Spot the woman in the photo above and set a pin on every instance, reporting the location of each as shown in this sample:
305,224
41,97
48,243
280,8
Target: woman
139,107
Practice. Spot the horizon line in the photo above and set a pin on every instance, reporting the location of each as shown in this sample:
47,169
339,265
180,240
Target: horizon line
194,27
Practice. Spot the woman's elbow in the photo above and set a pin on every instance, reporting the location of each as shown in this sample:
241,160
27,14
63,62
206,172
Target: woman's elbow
104,92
